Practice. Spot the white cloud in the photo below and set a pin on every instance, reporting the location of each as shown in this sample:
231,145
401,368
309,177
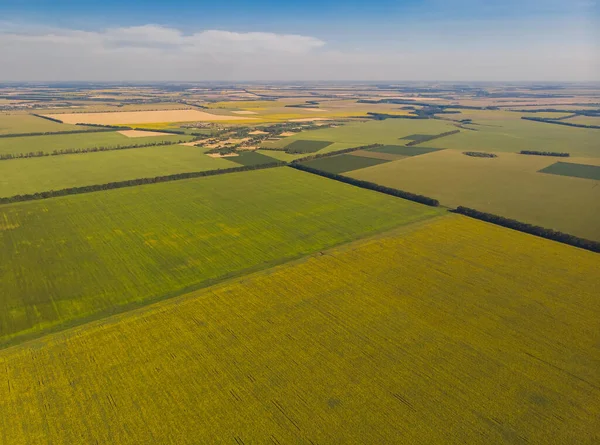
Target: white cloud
153,52
162,38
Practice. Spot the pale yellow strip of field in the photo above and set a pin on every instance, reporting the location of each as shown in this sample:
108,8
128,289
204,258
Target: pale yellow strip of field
142,117
310,119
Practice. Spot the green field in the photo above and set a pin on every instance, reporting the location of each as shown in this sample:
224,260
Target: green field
575,170
453,332
403,150
26,123
343,163
252,158
417,137
282,155
499,133
508,185
377,155
370,132
49,143
31,175
302,146
67,258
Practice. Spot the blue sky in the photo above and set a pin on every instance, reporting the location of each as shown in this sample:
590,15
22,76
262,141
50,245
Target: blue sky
308,40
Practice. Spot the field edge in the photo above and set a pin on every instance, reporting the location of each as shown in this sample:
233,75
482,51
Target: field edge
176,296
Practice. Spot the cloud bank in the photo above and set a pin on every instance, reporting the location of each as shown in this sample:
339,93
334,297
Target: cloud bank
154,52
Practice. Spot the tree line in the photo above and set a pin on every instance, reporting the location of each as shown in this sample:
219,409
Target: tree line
558,122
582,112
545,153
423,104
431,110
384,116
161,130
70,151
480,154
273,148
98,128
223,150
550,234
368,185
432,137
193,105
58,121
156,130
134,182
427,112
111,127
52,133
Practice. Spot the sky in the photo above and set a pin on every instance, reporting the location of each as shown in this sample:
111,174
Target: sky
268,40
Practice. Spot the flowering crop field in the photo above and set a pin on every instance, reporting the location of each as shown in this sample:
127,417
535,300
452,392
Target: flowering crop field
449,330
65,260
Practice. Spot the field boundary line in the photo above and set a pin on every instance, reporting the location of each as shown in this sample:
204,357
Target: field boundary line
368,185
542,232
558,122
55,133
134,182
78,151
432,137
41,116
172,299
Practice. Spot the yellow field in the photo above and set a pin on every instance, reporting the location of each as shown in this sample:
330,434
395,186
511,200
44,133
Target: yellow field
87,107
142,117
310,119
276,111
246,104
584,120
450,331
